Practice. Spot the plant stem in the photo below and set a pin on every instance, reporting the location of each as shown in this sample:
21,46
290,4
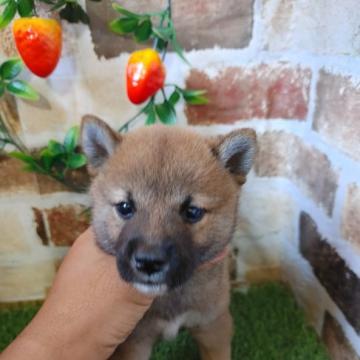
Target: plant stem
163,94
60,178
169,8
35,12
173,85
10,138
156,40
6,141
168,11
68,184
124,128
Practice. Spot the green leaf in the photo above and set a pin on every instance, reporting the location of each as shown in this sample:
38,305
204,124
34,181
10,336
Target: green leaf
151,116
55,147
71,139
165,34
195,97
74,13
47,158
143,31
3,2
2,88
8,13
198,100
187,92
25,7
174,97
123,25
11,68
22,89
76,160
33,168
28,159
125,12
166,113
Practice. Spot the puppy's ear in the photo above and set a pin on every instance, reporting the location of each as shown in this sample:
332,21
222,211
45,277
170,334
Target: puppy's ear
236,152
98,141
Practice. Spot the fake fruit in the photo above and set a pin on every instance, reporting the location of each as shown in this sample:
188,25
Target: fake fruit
145,75
39,43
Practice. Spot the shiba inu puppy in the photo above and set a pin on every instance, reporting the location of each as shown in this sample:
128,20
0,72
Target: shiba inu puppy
164,204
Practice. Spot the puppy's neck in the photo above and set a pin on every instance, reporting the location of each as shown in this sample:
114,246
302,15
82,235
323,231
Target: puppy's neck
215,260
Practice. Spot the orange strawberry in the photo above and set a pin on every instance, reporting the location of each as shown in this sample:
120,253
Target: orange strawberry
145,75
39,43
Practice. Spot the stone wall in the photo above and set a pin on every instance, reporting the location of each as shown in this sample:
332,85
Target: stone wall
290,70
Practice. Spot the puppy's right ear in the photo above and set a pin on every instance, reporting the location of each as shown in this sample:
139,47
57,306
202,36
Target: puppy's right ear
98,141
236,151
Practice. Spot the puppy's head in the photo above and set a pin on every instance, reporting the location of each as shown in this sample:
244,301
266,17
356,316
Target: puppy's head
164,198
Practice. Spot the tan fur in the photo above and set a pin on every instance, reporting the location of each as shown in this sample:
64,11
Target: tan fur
161,166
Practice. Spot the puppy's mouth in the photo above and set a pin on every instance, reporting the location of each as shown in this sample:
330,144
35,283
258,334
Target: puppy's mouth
151,288
156,282
153,283
150,284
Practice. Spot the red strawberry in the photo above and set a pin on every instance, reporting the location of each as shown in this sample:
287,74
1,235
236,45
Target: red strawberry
39,43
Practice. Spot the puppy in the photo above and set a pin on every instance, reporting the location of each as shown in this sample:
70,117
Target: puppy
164,204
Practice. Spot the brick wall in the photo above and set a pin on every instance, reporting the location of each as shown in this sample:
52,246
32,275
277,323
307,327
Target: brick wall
286,68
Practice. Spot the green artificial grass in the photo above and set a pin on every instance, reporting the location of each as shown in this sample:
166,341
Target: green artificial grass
268,326
13,320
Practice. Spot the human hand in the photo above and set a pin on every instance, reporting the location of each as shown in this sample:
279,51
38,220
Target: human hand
89,311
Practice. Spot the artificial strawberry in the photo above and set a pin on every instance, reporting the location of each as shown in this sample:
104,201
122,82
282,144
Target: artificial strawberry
145,75
39,43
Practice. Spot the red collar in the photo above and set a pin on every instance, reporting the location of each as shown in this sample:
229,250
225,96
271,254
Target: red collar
218,258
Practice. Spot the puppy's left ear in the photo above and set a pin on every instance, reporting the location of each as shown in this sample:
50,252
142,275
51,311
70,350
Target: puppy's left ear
236,152
98,141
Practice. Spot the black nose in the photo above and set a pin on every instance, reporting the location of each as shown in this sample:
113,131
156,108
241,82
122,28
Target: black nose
148,264
150,261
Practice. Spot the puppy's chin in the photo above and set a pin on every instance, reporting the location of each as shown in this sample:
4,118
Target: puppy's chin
151,289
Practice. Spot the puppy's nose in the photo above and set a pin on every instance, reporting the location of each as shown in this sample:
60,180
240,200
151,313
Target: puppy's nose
149,261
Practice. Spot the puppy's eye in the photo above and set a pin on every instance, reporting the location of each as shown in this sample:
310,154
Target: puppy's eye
125,209
193,214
